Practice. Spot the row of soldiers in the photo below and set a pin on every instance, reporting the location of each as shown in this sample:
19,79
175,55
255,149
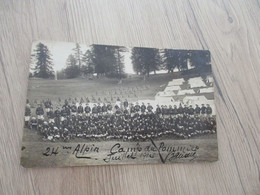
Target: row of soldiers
120,121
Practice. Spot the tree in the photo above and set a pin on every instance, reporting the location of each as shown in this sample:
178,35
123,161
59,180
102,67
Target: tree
199,58
72,70
78,54
118,67
175,59
88,65
44,65
170,59
107,60
71,61
136,60
146,60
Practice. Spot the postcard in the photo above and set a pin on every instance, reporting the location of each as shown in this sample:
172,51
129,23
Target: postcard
105,104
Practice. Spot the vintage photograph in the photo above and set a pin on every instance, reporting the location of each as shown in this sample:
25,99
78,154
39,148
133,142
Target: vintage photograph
104,104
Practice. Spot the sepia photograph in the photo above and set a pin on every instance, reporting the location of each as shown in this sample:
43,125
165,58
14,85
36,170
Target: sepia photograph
104,104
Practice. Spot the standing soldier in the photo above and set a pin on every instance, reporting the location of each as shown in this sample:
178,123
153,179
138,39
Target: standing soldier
99,109
208,110
39,112
143,109
170,110
185,109
80,110
137,108
51,116
27,116
197,110
149,108
87,110
175,110
33,123
74,109
180,110
109,108
158,111
125,104
104,109
203,109
63,114
132,110
87,100
191,110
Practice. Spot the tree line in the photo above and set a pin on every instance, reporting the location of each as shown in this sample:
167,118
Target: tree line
108,61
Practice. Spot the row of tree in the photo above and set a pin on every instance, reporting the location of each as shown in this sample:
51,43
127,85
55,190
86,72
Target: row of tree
108,61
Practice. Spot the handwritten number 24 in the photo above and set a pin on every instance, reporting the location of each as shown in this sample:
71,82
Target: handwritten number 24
50,151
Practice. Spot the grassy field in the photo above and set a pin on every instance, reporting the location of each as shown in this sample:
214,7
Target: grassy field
132,88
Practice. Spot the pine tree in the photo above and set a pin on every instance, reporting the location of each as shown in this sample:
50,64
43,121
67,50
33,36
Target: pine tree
78,54
44,65
88,65
72,70
71,61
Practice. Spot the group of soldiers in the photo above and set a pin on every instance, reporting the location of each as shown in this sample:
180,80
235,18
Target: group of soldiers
122,120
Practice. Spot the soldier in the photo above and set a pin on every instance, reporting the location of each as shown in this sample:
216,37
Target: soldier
191,110
33,123
208,110
137,108
27,116
39,112
87,100
28,103
149,108
80,110
87,110
132,110
74,109
99,109
51,116
164,111
203,109
104,109
109,108
180,110
47,105
125,104
158,111
94,110
197,109
143,108
185,109
170,110
175,110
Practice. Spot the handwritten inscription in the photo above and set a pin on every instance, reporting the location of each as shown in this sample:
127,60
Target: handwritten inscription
165,152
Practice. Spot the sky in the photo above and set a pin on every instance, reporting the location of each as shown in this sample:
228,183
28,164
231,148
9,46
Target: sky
61,50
